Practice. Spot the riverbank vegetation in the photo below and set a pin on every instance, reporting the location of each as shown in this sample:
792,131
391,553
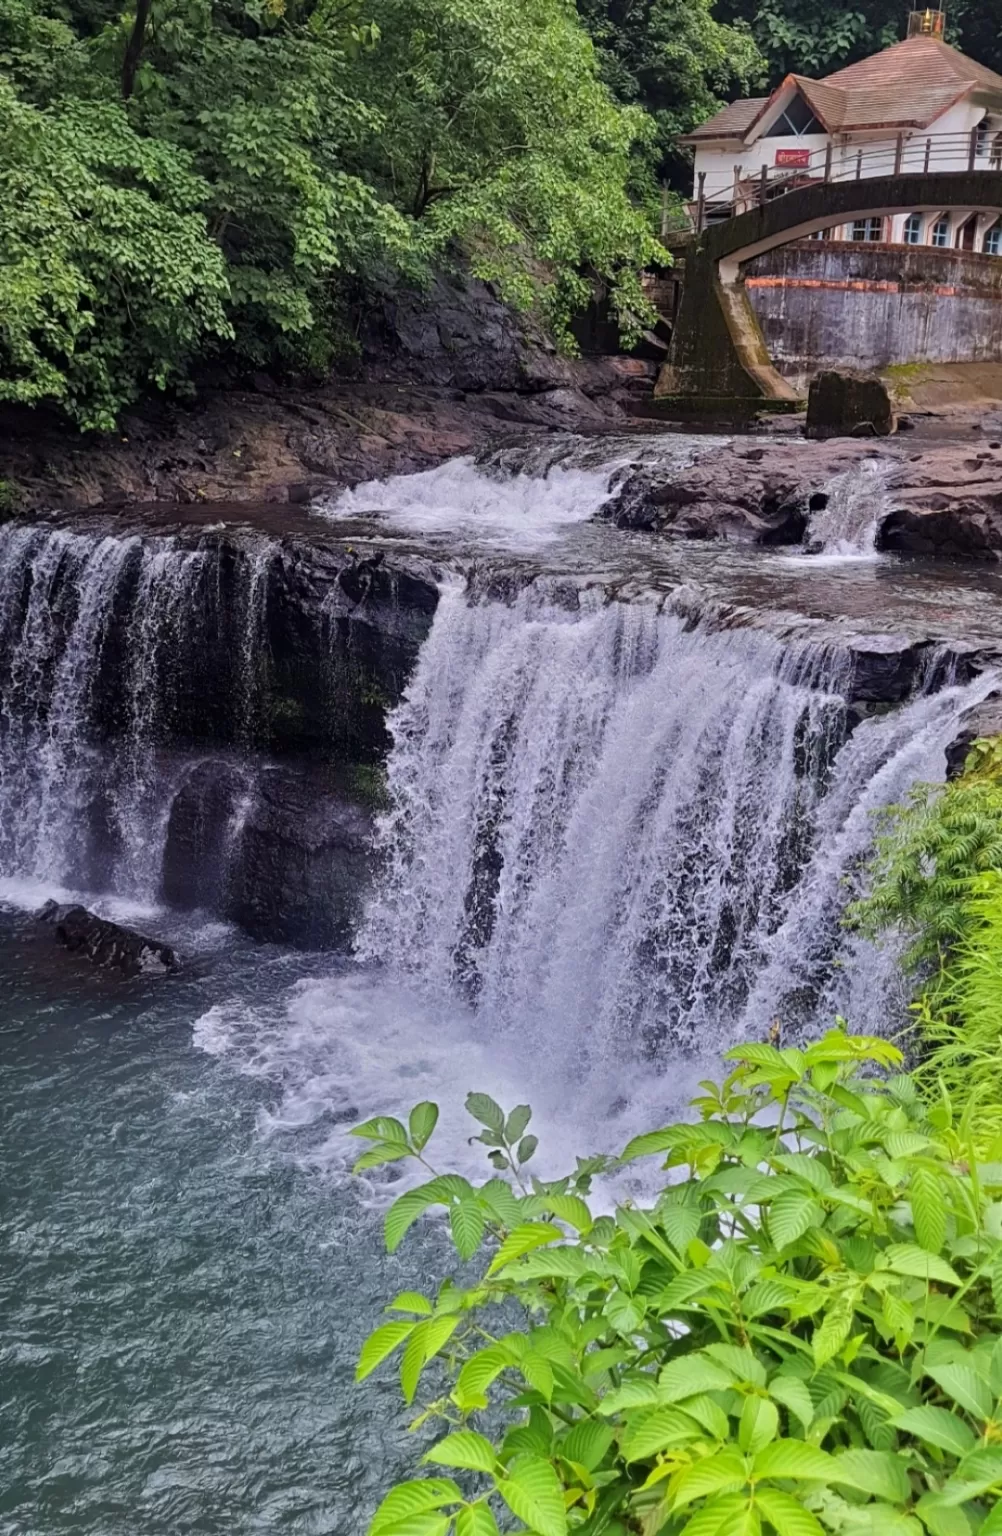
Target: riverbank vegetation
213,180
798,1334
936,883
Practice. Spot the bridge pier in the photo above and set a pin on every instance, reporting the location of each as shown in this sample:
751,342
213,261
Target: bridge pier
718,353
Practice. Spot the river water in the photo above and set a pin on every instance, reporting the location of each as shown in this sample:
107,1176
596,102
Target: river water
619,837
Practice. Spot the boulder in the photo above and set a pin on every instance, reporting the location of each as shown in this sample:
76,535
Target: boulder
847,404
107,944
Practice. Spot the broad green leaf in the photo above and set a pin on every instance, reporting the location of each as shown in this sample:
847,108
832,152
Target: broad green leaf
943,1519
832,1332
382,1152
625,1313
411,1301
516,1123
427,1524
937,1426
381,1343
424,1343
565,1263
794,1459
785,1514
928,1209
908,1259
481,1370
570,1208
587,1443
708,1413
466,1449
380,1128
979,1471
680,1224
483,1108
794,1396
992,1524
467,1222
965,1386
722,1516
790,1215
878,1473
414,1498
691,1374
526,1148
723,1472
423,1120
533,1492
502,1201
808,1168
476,1520
651,1142
768,1296
524,1239
742,1363
758,1425
404,1212
631,1394
648,1433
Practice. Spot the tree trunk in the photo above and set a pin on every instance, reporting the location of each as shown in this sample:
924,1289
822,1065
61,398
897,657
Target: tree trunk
134,51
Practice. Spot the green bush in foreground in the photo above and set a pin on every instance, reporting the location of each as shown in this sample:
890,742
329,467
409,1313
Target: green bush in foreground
801,1334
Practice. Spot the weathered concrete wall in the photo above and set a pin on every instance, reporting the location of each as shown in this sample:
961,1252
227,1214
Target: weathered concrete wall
826,303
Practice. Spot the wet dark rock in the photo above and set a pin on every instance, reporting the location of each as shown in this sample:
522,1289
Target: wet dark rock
302,865
841,403
109,945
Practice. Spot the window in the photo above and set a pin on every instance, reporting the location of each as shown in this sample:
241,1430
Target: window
992,242
940,233
797,120
913,229
868,229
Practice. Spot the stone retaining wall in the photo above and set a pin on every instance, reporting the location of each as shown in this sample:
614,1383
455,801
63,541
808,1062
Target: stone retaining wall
825,304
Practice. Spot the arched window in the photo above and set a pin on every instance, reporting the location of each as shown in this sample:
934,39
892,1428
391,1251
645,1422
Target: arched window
940,234
913,229
992,242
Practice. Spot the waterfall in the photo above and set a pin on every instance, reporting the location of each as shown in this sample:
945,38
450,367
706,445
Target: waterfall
854,504
109,653
611,829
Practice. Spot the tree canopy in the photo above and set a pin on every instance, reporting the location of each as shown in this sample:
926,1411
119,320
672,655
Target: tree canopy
199,177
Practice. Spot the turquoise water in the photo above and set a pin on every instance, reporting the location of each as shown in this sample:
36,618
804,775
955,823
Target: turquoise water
182,1296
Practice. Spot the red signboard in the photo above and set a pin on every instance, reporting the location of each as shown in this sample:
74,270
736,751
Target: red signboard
798,157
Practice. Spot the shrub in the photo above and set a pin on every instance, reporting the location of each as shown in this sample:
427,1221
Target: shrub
936,880
800,1334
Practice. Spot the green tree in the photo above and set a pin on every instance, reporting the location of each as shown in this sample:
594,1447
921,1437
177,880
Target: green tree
675,59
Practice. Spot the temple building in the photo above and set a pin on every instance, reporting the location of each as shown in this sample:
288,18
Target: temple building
919,105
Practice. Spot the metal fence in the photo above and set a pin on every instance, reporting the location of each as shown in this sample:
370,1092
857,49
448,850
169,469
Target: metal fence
915,155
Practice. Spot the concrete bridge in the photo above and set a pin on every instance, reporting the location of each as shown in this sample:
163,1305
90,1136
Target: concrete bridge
717,348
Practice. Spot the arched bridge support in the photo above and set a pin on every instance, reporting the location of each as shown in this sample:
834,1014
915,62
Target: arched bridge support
717,348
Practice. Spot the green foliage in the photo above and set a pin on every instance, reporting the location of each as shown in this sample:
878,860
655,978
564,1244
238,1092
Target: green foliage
497,134
801,37
675,59
800,1334
269,154
936,878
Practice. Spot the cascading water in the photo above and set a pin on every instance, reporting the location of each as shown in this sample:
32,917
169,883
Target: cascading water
615,832
854,505
103,642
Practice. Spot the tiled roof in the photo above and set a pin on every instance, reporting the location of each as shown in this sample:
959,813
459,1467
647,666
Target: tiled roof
730,122
905,86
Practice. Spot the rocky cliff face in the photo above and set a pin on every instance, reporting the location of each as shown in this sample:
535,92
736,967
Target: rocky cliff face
440,371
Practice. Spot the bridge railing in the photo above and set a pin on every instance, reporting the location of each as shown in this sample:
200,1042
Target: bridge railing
752,185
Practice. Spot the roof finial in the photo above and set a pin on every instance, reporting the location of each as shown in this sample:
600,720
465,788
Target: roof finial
927,23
